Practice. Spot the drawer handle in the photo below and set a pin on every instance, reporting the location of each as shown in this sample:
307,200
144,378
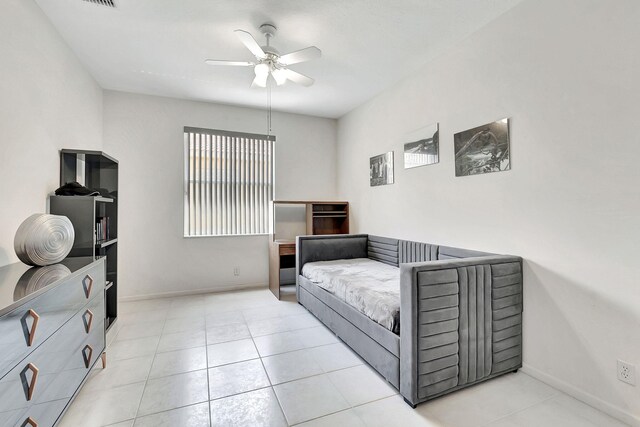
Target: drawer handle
87,284
87,318
29,422
30,386
30,335
87,352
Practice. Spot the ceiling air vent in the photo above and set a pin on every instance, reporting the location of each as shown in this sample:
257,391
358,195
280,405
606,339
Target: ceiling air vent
108,3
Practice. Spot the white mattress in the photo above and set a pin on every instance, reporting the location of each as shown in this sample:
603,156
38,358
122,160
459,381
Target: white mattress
371,287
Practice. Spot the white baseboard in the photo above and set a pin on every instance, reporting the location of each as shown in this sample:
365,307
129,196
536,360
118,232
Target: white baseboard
111,333
583,396
217,289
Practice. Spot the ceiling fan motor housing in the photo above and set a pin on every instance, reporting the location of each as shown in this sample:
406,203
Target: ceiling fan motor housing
269,30
272,52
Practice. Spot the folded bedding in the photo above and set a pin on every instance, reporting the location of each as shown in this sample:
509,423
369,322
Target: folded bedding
371,287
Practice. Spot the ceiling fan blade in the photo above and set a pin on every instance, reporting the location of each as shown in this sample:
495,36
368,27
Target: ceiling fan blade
302,55
233,63
251,43
298,78
260,81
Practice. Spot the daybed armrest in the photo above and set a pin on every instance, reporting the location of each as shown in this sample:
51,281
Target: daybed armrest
329,248
448,312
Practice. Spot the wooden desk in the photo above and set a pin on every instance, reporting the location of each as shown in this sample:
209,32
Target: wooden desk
282,255
322,217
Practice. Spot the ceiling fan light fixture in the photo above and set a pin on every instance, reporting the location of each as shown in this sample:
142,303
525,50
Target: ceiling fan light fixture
279,76
261,70
260,80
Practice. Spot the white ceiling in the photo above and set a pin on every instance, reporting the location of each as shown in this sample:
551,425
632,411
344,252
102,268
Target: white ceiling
158,47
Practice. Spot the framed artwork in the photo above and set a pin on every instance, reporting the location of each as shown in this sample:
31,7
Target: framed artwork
483,149
424,148
381,169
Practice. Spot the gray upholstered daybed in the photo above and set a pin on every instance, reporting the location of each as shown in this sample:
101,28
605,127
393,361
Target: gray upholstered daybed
457,320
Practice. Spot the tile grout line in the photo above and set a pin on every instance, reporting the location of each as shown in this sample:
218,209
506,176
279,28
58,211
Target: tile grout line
330,381
271,384
160,412
153,361
239,393
317,375
252,335
350,406
520,410
260,357
264,368
248,360
300,349
149,374
240,361
206,353
348,409
283,332
215,343
152,355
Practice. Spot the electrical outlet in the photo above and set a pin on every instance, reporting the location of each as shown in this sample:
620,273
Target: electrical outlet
626,372
236,271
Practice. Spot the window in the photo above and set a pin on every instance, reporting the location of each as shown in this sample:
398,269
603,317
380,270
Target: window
228,182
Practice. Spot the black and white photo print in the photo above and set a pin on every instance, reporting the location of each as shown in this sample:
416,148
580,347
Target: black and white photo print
381,169
483,149
424,148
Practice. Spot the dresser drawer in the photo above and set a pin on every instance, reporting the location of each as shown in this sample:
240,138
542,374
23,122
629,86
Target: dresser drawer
79,365
287,249
25,328
58,364
44,414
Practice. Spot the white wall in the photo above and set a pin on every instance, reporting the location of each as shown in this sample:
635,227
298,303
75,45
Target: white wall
146,134
567,73
47,102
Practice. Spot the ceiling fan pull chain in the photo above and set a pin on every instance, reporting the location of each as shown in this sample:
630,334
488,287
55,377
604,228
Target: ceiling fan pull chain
269,109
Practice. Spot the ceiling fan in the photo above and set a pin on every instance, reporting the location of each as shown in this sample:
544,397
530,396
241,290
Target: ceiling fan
269,62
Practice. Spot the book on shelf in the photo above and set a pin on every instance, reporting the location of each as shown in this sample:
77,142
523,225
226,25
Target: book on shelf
102,229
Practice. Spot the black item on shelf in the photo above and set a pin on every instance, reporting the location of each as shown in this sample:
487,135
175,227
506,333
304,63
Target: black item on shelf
104,193
75,189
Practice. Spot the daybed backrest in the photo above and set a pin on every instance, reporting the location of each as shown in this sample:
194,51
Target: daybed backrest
395,252
383,249
417,252
446,252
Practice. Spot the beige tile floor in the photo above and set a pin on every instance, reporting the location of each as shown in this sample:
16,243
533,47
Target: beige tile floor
246,359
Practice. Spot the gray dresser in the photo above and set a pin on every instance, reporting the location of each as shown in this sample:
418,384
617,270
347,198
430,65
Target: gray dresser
51,335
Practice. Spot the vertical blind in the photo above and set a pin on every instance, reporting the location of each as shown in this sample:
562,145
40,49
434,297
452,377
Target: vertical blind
228,182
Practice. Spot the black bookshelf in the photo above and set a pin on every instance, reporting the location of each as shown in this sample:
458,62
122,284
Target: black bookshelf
98,171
